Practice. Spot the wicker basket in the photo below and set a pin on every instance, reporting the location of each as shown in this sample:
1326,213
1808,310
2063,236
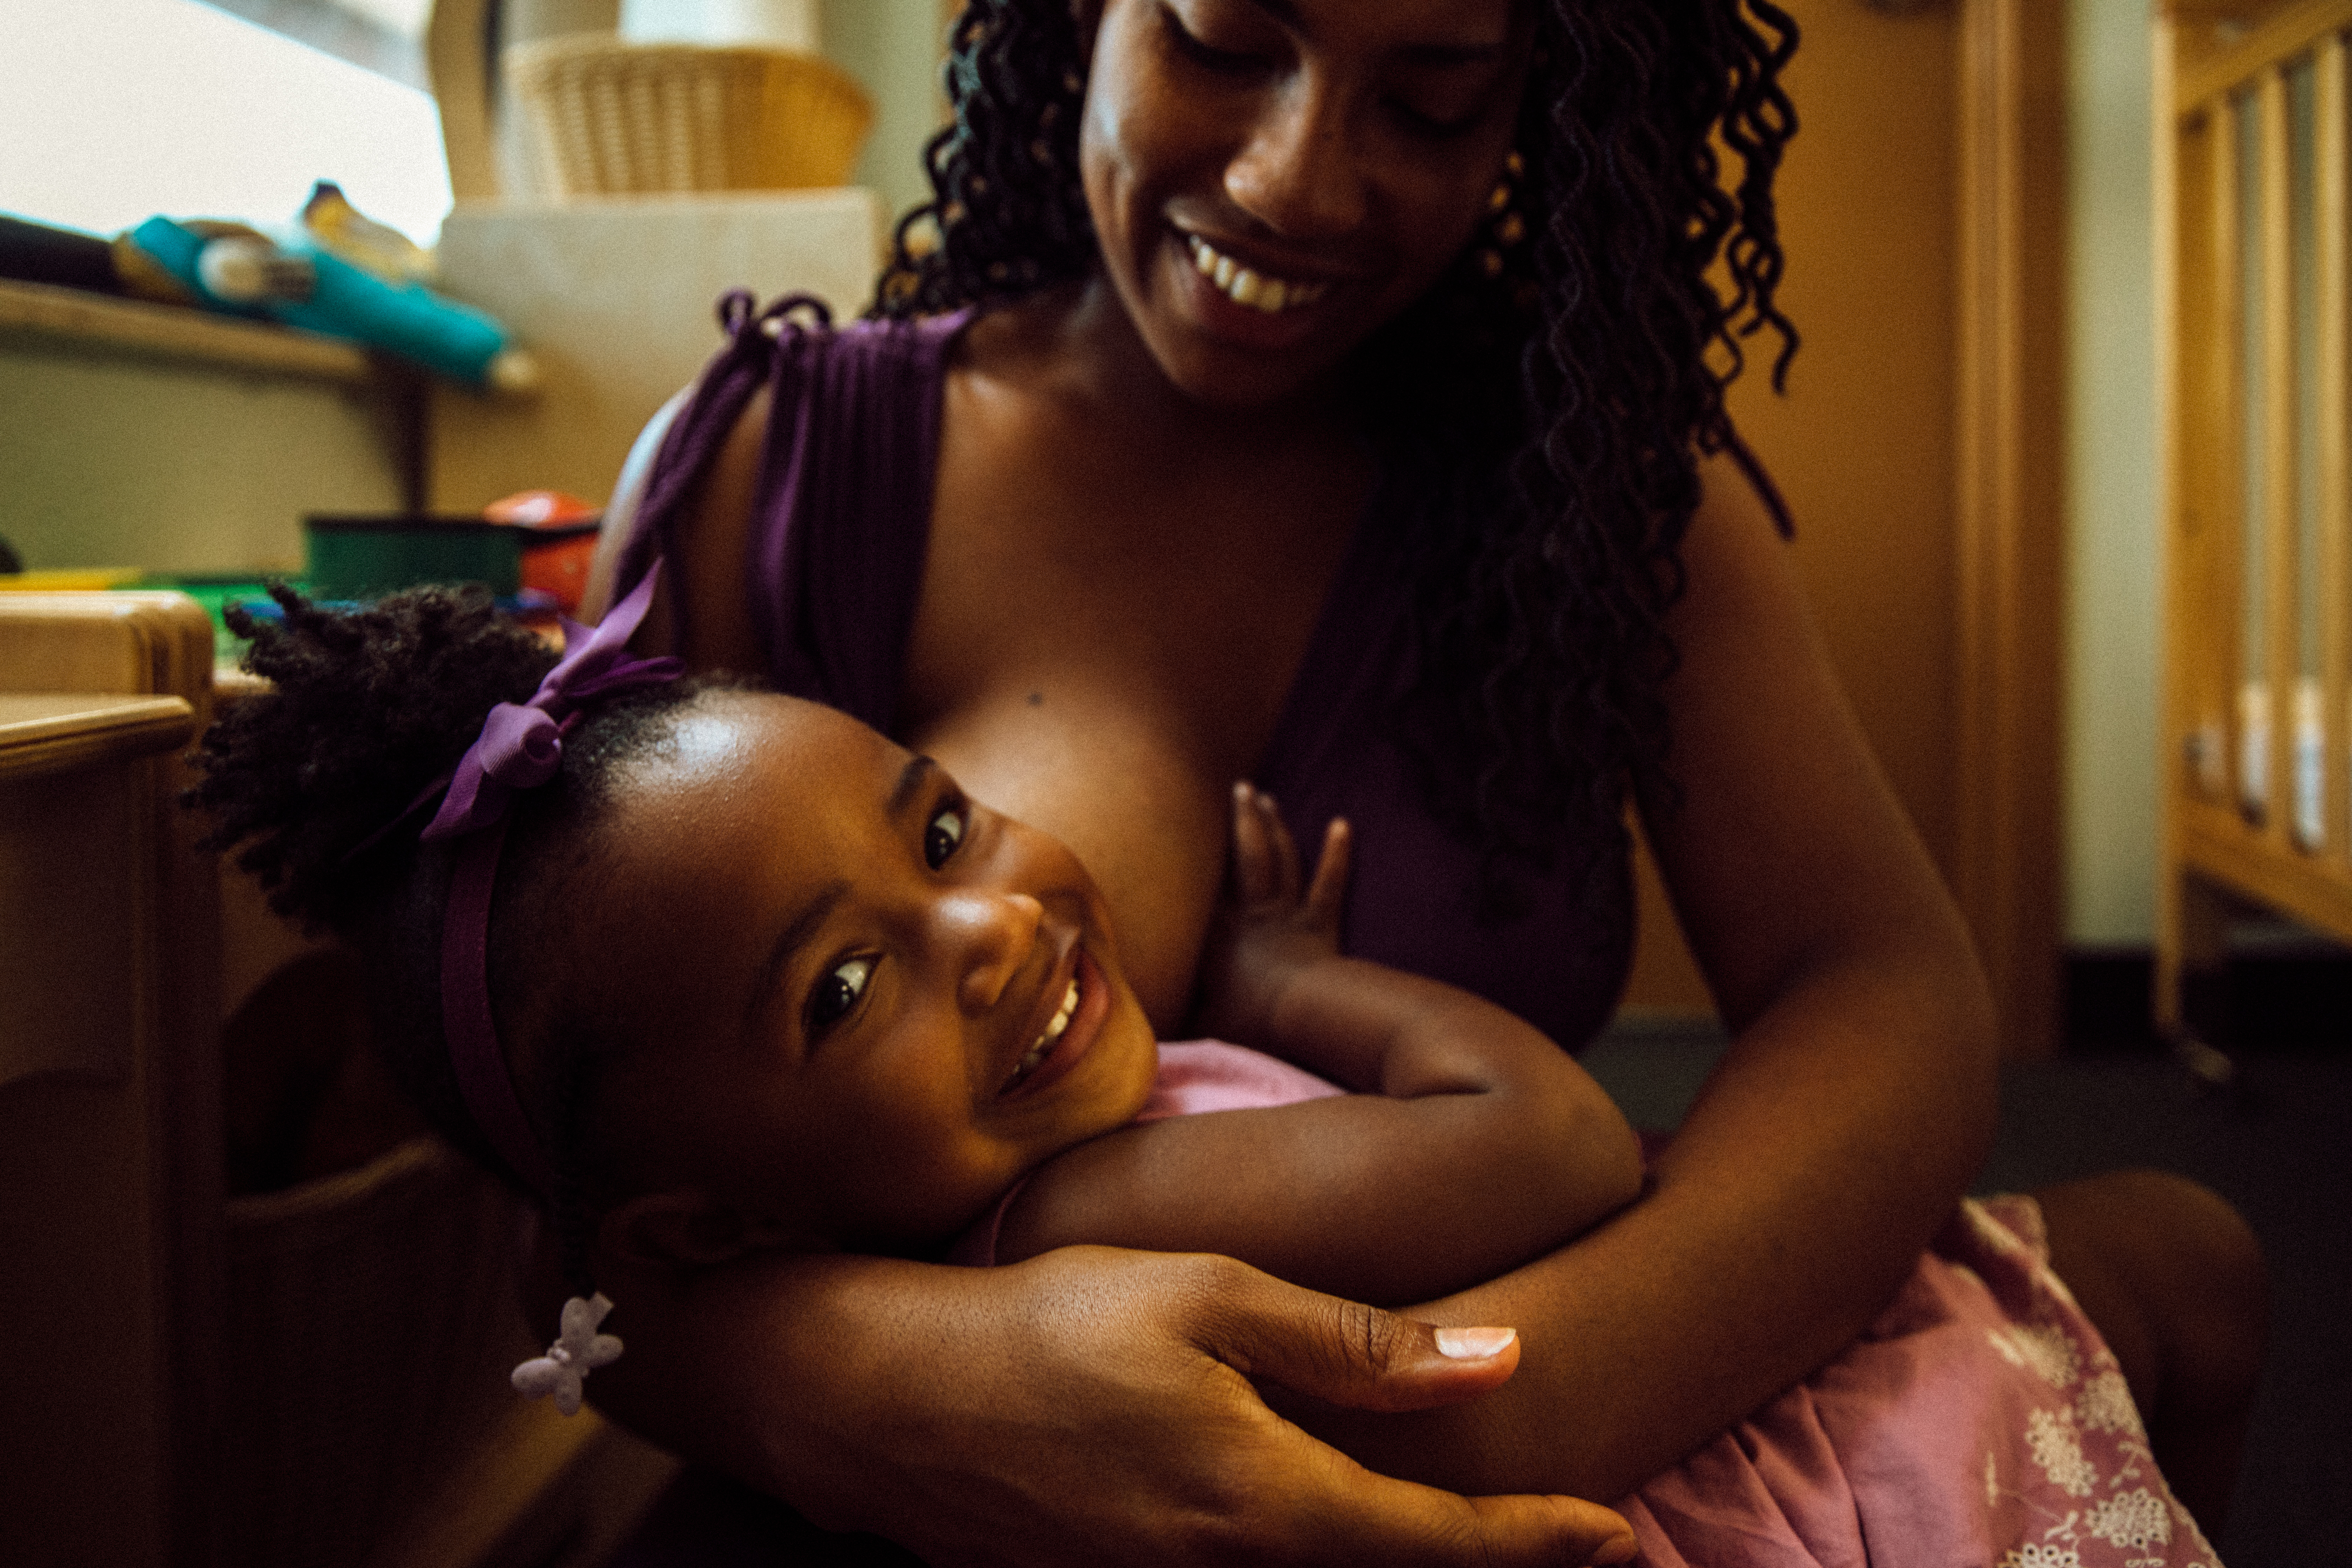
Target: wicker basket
616,119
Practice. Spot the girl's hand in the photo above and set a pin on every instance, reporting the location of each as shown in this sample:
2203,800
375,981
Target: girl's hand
1265,932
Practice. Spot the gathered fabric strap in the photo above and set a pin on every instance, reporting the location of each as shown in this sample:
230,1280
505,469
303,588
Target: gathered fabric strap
725,387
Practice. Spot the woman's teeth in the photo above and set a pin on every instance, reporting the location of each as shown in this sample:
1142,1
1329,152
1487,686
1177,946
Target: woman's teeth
1245,287
1054,1028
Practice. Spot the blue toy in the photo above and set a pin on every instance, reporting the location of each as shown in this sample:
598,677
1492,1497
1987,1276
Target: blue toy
243,272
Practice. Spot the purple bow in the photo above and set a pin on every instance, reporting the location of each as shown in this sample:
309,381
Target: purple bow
521,744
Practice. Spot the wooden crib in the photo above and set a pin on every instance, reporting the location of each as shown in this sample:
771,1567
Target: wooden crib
2253,118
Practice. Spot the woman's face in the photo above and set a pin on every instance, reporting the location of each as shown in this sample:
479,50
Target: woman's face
1272,180
873,1003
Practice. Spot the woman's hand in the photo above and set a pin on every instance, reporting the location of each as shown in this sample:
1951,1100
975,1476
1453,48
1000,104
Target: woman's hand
1268,929
1091,1405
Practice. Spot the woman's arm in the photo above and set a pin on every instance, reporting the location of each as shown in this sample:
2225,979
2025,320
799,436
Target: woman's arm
1854,1103
1474,1144
1090,1406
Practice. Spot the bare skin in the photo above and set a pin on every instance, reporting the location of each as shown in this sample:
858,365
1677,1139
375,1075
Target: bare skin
1129,545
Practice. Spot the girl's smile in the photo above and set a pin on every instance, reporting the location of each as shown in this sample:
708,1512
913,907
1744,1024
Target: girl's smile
876,1002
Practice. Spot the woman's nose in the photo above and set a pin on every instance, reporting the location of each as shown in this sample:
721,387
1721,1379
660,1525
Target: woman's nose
1296,171
991,936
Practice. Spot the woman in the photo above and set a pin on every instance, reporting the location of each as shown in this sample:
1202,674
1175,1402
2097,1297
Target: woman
1401,303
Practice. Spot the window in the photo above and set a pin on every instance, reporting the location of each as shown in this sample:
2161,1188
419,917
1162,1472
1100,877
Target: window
114,111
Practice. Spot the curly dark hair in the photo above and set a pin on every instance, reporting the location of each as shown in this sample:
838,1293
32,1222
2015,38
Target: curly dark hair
1560,399
313,782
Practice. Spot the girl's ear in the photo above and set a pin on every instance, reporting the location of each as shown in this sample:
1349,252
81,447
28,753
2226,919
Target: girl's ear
687,1229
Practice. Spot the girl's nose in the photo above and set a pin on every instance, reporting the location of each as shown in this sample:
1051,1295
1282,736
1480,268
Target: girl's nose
990,935
1296,172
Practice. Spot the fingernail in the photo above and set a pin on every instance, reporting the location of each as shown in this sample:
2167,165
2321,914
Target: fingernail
1473,1344
1620,1549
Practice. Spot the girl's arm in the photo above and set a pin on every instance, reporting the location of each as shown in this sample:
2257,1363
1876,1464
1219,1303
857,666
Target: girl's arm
1473,1144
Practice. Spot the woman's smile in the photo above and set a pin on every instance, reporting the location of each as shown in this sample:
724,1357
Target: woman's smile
1244,285
1247,306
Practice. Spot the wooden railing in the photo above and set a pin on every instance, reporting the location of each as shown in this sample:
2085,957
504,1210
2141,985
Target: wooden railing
2254,280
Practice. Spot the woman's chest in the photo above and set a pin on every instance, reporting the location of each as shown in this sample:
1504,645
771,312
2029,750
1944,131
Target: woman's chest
1101,645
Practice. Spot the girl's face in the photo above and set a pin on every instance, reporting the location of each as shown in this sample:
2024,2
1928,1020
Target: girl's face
1323,160
872,1003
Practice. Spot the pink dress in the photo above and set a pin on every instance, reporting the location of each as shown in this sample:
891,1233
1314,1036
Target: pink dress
1980,1422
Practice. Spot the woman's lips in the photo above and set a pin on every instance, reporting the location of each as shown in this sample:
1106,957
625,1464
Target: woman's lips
1235,311
1062,1052
1244,285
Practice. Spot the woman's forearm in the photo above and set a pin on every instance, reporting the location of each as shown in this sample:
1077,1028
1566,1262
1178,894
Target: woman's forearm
1092,1405
1838,1133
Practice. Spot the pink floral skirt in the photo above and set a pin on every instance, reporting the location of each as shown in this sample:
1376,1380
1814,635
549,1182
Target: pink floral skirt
1980,1422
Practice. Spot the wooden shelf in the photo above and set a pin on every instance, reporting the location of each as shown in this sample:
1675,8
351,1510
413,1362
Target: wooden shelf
71,316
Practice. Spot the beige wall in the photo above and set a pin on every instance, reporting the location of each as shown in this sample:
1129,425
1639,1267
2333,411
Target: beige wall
108,459
2113,645
895,47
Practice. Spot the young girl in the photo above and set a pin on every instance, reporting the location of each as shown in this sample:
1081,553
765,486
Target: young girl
708,971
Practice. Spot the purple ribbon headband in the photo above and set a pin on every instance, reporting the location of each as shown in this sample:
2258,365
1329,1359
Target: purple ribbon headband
520,748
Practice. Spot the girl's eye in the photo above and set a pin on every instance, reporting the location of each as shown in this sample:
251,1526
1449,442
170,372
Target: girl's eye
943,836
837,991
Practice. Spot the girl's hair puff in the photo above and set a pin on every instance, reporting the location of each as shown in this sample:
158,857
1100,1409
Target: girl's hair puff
366,709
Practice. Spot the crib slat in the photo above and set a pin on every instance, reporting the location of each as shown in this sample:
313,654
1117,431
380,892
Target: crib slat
2281,36
2282,650
2218,486
2332,209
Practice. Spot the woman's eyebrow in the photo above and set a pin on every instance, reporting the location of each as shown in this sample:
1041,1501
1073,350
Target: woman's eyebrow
1284,12
788,944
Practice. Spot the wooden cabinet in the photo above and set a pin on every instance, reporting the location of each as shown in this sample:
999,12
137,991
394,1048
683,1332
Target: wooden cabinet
309,1375
109,1153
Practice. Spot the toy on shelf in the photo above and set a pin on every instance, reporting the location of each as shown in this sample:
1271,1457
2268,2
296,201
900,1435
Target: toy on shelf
345,276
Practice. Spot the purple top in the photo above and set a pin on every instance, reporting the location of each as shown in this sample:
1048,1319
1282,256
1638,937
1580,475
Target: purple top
841,519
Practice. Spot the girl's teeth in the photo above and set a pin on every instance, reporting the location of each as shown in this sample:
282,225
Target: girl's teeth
1245,287
1054,1030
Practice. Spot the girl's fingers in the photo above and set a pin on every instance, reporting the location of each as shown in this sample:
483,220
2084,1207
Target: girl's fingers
1330,884
1255,874
1285,851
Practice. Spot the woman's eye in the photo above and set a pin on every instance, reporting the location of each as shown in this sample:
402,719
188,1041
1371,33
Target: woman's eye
1202,53
837,991
943,836
1436,127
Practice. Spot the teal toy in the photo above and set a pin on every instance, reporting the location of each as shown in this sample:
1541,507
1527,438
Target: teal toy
238,270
